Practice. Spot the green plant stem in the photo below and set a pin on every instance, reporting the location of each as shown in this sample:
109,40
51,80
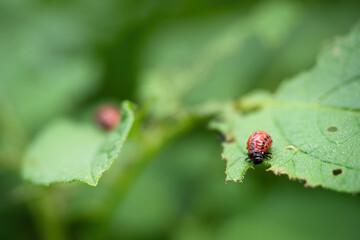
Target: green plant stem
47,217
151,146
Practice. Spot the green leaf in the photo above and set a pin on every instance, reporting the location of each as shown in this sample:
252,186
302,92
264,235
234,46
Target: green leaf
43,71
222,54
314,121
67,151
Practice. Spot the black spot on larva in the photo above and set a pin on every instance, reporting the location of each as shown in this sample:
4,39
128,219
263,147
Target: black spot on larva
337,171
332,129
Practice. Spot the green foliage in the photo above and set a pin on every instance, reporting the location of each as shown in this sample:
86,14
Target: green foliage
67,151
210,209
313,120
41,75
179,62
223,56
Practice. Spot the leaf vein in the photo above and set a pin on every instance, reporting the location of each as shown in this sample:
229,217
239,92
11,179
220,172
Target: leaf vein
307,153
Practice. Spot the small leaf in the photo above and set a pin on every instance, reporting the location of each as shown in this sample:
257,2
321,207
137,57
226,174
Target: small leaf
314,121
67,151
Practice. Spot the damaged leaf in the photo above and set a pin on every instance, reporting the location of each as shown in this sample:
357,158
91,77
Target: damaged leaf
313,119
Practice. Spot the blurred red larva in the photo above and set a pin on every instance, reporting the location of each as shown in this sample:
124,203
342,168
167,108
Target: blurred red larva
108,116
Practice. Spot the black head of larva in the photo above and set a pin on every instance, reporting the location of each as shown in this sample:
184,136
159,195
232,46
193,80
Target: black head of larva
256,157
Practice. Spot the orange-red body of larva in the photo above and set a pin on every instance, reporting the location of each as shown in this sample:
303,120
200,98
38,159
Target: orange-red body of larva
258,144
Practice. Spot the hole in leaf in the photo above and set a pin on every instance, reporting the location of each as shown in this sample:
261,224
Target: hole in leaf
291,148
332,129
219,119
230,140
336,51
221,137
337,171
224,138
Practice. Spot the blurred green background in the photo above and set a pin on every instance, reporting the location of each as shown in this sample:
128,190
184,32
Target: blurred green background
59,58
